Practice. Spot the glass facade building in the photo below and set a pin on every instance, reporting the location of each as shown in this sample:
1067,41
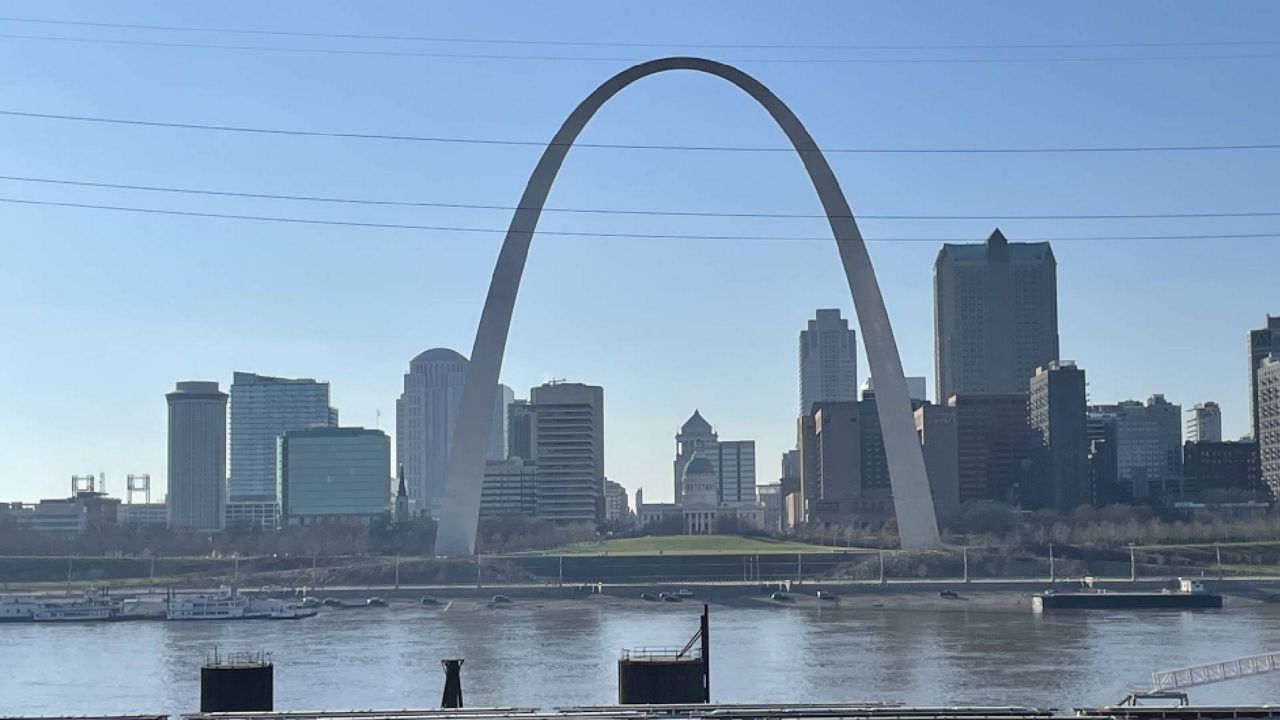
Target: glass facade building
262,409
327,474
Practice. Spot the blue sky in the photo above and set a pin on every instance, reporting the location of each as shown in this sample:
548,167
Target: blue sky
103,311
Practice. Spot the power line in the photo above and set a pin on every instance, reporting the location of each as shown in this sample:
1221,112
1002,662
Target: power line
619,211
665,44
610,235
636,146
588,58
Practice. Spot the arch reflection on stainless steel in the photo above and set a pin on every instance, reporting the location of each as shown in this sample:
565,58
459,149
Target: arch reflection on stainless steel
913,503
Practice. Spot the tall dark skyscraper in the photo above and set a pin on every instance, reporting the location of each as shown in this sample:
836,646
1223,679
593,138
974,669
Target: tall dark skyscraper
1261,343
995,316
1058,414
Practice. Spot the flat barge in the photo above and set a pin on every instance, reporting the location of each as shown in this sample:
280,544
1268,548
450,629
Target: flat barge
1190,595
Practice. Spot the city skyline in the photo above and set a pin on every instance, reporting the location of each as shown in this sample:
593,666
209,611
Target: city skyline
401,292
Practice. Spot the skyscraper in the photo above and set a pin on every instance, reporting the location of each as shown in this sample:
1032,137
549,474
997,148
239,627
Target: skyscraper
828,361
425,413
1058,413
995,316
197,455
1261,343
1205,423
262,409
568,438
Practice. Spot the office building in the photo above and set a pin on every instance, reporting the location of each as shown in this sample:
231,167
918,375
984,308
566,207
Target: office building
828,361
616,507
139,515
262,409
770,495
1204,423
85,510
1104,478
833,488
334,474
197,455
736,471
995,316
939,439
873,463
1148,448
425,415
510,489
568,446
1216,472
994,445
1262,342
1267,407
520,430
499,440
1058,415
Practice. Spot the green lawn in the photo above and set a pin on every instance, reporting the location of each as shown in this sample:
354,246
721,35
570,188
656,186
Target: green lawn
691,545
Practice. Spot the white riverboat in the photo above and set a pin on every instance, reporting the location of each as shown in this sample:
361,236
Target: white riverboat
18,609
225,604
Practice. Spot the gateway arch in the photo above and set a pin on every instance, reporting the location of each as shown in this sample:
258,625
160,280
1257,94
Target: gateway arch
913,503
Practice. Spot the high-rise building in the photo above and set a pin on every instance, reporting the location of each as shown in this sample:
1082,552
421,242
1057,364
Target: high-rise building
1261,344
1148,447
1058,414
1104,473
1204,423
828,361
995,447
995,315
329,474
520,430
736,470
499,440
568,445
262,409
425,415
936,427
1267,407
510,488
1222,472
771,497
197,455
832,487
616,507
874,464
